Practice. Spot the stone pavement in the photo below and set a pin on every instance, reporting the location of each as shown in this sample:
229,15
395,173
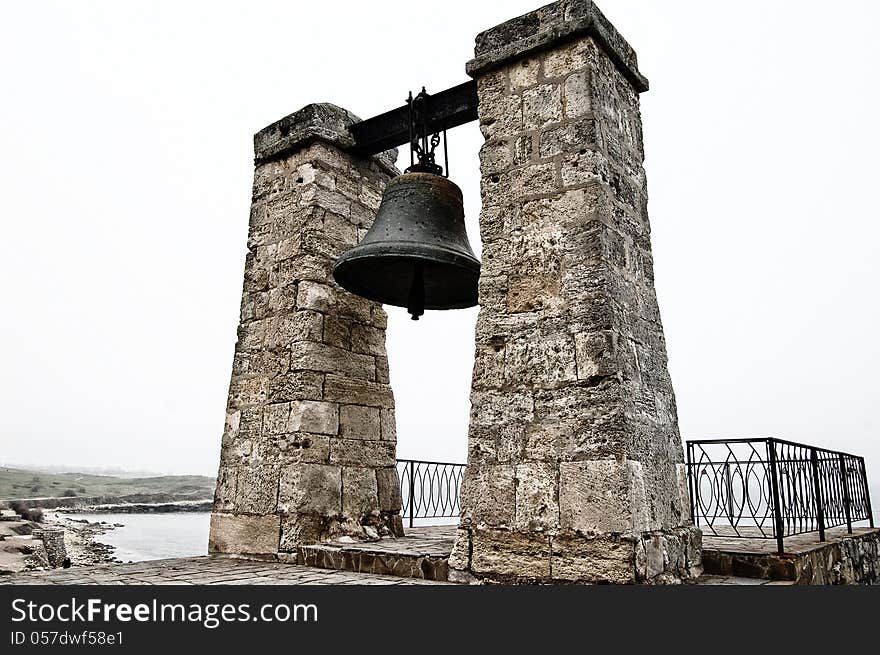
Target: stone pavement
795,545
739,581
204,571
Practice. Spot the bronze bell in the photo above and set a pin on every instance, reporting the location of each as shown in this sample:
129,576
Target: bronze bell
416,254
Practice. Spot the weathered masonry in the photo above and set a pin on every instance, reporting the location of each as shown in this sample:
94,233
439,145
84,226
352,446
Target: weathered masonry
575,467
575,464
308,450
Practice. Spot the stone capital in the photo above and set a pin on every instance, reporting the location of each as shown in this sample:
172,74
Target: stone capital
551,26
322,121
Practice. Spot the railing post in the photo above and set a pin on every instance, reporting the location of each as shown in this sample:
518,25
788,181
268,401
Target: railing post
846,500
691,485
412,490
817,491
774,485
729,485
867,491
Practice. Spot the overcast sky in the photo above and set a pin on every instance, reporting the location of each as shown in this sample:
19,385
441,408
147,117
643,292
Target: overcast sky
125,177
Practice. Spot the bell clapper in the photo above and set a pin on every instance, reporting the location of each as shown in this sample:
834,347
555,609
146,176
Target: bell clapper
415,304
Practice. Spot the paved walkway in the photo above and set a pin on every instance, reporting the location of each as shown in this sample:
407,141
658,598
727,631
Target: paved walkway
738,581
203,571
794,545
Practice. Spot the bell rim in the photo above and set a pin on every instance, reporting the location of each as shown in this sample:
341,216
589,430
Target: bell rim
350,284
366,251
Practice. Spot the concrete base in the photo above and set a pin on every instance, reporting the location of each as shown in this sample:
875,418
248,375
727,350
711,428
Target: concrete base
841,559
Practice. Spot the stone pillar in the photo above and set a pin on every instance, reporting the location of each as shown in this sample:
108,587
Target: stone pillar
53,540
308,451
575,469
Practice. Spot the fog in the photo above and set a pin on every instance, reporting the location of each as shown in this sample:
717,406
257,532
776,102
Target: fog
125,176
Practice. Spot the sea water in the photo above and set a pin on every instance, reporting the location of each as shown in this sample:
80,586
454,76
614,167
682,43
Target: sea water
154,536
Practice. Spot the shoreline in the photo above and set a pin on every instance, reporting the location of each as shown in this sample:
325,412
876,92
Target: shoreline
81,539
19,551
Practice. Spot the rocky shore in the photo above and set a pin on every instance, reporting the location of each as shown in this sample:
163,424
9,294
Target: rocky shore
82,539
20,552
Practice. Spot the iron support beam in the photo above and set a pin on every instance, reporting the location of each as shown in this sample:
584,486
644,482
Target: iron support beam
446,109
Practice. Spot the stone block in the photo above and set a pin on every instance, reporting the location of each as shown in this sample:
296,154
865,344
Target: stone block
563,60
383,375
337,332
488,495
490,408
570,137
589,418
256,490
510,555
360,496
388,485
313,416
600,559
276,418
231,427
532,180
357,452
597,354
354,307
359,422
224,492
367,340
251,336
495,157
243,535
309,356
307,488
460,557
304,266
540,362
388,424
489,366
536,282
603,496
541,106
537,496
524,73
302,447
248,391
684,496
298,326
576,95
299,385
341,389
315,296
586,166
301,529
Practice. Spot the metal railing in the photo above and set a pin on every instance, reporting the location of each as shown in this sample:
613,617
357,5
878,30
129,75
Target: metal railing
429,490
772,488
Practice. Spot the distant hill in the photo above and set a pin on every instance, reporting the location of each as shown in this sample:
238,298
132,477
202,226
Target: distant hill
19,483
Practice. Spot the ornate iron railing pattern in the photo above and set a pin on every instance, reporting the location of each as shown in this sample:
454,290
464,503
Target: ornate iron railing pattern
429,490
772,488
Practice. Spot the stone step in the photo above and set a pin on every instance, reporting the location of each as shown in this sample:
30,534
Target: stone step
423,553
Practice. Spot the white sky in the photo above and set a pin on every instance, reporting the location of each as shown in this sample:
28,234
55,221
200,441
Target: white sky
125,176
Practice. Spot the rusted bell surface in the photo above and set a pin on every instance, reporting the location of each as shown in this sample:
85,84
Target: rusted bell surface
416,254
